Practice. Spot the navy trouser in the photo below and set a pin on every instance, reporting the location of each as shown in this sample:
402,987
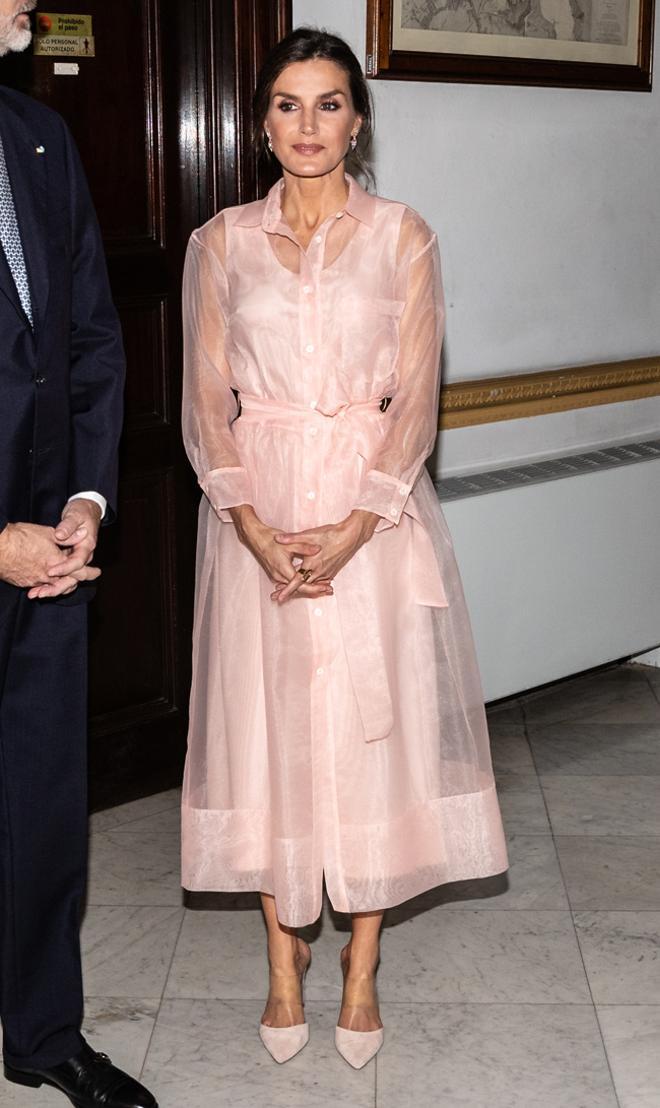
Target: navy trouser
43,826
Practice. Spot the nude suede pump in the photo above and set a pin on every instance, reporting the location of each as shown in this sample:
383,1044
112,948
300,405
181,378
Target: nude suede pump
283,1043
358,1047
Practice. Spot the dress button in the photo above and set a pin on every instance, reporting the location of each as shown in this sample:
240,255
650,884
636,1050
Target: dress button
313,430
311,496
320,671
318,611
318,238
40,380
309,349
393,512
307,289
312,403
339,215
402,490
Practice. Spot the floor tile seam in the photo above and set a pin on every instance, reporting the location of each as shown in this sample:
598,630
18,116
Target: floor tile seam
607,1057
588,776
604,835
125,830
587,979
565,888
162,992
131,904
593,719
333,1003
634,776
128,904
126,823
442,908
619,911
651,685
629,1004
599,835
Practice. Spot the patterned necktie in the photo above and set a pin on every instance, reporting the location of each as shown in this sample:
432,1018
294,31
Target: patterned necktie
10,238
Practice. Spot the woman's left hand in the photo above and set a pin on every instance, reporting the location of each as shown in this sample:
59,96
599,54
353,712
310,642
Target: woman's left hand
338,542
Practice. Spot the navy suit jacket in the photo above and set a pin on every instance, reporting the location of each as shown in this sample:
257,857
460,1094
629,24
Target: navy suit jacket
61,385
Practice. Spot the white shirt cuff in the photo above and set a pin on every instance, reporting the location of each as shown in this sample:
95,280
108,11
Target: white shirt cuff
95,496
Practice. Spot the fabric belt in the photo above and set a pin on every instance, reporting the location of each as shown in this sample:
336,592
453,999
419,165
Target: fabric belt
276,408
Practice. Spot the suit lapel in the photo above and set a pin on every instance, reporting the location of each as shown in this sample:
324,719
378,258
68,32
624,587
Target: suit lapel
28,173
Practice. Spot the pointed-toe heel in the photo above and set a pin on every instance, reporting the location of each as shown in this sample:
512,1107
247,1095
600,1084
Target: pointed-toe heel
358,1047
283,1043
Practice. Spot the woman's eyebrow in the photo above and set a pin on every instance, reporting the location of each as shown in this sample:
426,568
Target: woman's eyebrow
321,96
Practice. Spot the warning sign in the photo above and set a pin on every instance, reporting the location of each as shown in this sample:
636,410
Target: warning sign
65,46
49,23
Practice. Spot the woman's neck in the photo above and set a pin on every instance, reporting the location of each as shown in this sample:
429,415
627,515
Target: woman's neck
308,201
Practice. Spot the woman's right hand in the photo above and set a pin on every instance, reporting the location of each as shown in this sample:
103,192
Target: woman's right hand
275,559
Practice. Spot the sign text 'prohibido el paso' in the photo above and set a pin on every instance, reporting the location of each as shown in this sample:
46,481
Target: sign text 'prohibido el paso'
64,35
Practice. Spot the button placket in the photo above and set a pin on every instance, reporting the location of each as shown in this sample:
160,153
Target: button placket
308,326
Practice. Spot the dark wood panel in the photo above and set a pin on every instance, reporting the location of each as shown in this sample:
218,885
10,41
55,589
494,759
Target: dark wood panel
145,327
135,608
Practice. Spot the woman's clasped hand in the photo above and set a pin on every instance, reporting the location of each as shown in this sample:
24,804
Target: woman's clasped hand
322,551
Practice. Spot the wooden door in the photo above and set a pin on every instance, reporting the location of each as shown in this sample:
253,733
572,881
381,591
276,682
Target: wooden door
161,118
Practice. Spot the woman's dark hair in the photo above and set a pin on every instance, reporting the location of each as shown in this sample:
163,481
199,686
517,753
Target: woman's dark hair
302,45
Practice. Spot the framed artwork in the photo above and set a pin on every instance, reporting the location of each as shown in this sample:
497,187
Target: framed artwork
570,43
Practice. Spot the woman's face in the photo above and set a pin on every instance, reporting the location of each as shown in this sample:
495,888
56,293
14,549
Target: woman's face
311,117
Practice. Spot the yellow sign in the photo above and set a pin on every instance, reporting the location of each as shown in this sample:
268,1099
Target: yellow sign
65,46
49,23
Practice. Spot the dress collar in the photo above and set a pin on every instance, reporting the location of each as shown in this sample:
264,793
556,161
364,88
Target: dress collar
267,213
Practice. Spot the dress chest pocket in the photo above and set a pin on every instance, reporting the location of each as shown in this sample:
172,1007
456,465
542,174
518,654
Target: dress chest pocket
370,336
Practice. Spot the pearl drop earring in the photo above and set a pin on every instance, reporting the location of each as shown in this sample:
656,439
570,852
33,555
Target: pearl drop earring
354,142
269,142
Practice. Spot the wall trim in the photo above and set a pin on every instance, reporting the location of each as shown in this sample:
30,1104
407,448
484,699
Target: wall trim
518,396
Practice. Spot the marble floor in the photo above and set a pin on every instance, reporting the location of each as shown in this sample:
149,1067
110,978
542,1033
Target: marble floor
536,990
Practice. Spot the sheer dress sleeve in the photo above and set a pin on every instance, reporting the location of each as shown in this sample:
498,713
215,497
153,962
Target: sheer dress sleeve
412,414
209,405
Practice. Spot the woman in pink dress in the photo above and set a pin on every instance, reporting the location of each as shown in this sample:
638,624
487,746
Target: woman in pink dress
337,726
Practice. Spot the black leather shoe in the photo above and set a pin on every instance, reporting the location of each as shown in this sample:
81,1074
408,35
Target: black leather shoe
89,1080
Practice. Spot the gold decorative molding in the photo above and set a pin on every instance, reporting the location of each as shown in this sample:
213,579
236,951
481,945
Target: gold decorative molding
518,396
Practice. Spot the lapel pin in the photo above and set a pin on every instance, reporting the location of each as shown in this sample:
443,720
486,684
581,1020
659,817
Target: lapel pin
40,149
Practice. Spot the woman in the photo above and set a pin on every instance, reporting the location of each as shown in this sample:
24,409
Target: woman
337,725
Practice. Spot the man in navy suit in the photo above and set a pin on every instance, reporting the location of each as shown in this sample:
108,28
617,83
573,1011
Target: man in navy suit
61,384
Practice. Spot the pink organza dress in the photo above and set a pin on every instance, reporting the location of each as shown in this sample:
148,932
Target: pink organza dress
343,737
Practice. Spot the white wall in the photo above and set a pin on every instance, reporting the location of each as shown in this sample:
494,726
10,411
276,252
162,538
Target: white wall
546,203
547,207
